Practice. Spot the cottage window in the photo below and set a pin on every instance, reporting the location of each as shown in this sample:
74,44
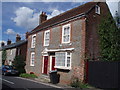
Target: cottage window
33,41
66,33
32,59
19,51
63,60
97,9
11,52
46,38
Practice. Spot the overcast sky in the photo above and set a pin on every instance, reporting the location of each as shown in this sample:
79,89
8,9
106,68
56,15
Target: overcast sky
20,17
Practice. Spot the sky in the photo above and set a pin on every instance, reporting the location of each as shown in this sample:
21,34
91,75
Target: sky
20,17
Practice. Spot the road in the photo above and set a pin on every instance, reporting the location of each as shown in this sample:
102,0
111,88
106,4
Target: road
17,83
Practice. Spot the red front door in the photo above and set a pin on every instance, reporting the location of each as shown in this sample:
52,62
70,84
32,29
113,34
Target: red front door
53,63
45,64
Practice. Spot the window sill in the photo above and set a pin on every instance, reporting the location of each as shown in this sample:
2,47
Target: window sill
69,43
32,65
64,68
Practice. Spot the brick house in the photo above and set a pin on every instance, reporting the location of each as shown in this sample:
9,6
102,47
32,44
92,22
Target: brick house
64,42
14,49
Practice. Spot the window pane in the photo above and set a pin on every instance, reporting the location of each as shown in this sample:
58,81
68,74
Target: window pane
60,58
66,34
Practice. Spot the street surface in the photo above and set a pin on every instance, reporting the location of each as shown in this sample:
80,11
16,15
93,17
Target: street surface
17,83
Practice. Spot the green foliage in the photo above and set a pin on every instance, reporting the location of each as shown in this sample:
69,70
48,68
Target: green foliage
19,64
4,56
109,39
26,75
78,84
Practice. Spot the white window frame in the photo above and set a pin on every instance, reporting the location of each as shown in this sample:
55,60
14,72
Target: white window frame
45,38
19,51
97,9
33,43
65,67
67,25
11,51
31,61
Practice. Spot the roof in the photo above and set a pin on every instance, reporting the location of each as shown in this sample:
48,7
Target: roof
83,9
13,45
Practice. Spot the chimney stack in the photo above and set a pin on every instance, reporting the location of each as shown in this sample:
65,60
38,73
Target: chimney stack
18,38
26,35
8,42
2,44
43,17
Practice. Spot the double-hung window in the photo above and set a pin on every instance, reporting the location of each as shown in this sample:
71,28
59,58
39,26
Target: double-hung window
97,9
46,38
63,60
33,41
66,29
32,59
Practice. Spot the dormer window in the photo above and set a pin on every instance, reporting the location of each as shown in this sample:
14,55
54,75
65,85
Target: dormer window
33,41
97,9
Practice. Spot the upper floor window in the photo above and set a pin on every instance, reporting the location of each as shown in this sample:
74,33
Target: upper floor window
97,9
66,29
63,60
46,38
33,41
32,60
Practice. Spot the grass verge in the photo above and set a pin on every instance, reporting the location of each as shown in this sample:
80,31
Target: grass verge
26,75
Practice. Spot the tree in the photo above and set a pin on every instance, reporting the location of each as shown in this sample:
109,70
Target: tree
109,39
19,64
4,56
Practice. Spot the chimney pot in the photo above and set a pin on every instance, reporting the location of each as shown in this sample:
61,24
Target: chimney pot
43,17
18,38
2,44
8,42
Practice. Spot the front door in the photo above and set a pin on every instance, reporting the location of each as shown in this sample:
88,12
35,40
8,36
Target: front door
45,64
52,63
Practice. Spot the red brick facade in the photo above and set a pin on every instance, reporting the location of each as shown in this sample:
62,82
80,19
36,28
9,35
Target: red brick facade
83,38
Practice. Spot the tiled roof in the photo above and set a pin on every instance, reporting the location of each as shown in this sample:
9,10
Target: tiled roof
66,15
13,45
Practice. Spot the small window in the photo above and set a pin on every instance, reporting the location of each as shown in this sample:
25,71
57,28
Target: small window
33,41
46,38
32,59
19,51
11,52
97,9
66,33
63,60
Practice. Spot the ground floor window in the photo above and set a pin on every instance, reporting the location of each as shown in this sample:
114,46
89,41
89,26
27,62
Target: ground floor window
63,60
32,59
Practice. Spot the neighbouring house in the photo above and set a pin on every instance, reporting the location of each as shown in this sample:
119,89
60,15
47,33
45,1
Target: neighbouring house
117,15
14,49
64,42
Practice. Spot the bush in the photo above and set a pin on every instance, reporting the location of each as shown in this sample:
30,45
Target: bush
109,39
78,84
19,64
26,75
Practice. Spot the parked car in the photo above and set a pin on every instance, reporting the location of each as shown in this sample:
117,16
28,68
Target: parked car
9,70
